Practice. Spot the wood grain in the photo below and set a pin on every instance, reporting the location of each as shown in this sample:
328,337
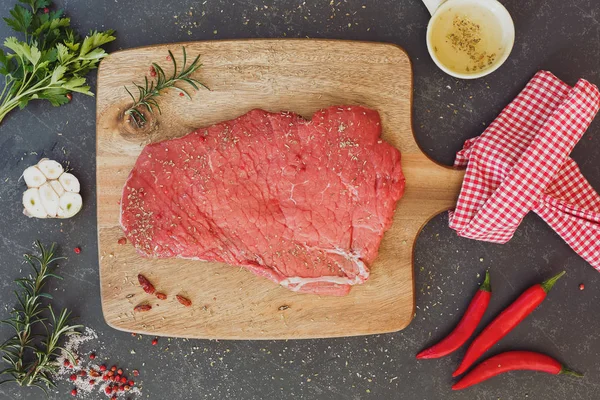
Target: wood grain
296,75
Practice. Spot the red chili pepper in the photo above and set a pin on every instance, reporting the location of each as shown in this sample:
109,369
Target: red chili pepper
467,325
146,285
512,361
506,321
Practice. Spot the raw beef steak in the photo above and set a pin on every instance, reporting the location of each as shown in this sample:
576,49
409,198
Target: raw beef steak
303,203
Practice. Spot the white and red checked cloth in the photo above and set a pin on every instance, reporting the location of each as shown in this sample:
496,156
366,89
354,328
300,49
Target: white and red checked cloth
521,163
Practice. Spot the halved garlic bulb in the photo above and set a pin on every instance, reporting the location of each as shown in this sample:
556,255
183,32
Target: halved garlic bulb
51,193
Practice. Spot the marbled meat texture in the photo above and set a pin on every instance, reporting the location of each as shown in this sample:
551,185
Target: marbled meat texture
304,203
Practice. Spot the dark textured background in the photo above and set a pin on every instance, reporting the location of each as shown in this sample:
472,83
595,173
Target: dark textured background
561,36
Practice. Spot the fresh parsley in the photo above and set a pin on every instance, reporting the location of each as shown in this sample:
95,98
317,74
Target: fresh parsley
51,61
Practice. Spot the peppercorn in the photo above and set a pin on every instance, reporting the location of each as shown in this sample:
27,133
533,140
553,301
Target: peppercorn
154,341
123,380
136,372
82,373
120,372
74,392
92,356
77,250
69,96
92,382
131,383
103,368
113,368
73,377
581,286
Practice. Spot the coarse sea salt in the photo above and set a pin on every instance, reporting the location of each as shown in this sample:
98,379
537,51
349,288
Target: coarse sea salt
82,384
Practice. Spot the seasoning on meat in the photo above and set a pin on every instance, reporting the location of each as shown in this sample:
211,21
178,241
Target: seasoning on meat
304,203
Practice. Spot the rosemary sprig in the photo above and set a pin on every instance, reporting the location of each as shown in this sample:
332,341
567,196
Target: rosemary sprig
30,363
150,89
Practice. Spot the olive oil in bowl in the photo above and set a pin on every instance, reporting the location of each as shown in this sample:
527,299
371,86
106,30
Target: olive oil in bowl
469,39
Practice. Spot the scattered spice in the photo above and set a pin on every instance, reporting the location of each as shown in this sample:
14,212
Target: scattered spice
142,308
183,300
146,285
283,307
161,296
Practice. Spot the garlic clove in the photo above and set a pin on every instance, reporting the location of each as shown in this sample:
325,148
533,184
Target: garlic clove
50,168
58,188
49,199
69,182
34,177
33,204
70,204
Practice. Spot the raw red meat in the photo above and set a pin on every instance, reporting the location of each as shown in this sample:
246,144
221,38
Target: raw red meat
303,203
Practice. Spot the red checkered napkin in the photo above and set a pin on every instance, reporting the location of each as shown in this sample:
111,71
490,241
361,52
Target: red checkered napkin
521,163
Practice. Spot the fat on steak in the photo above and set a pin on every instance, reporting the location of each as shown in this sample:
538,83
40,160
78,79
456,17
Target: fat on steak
304,203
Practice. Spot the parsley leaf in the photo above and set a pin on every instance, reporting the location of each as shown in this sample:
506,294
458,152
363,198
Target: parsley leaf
51,61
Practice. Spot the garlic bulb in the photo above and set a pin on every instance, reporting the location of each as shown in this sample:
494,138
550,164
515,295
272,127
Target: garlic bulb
51,192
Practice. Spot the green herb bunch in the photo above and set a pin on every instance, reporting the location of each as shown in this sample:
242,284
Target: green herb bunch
148,92
51,61
31,360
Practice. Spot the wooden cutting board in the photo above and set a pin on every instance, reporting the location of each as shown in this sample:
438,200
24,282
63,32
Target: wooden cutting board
296,75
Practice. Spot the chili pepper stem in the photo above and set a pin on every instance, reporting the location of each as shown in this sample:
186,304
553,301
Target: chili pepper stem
570,372
486,286
547,285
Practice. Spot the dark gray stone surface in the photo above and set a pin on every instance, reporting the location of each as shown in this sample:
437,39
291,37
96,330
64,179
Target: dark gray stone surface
563,37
